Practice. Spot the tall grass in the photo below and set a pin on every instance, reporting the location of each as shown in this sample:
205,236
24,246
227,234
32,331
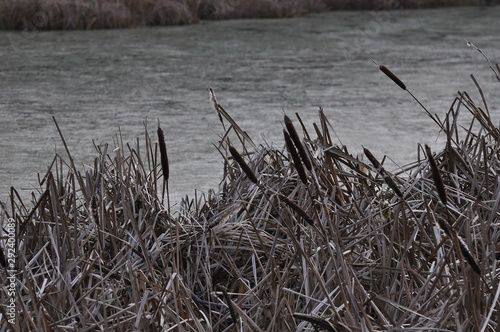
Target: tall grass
345,250
106,14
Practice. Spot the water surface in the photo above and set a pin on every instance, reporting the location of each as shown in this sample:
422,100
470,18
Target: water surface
95,82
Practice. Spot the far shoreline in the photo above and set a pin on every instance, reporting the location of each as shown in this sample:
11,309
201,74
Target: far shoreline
29,15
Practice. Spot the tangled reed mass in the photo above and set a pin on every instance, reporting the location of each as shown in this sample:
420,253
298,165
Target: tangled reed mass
345,246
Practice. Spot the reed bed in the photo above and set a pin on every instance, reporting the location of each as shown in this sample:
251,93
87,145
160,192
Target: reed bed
343,246
90,14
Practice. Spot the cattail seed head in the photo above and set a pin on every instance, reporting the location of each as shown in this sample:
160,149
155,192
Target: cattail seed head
387,178
295,157
393,77
295,207
244,166
438,180
163,154
468,256
390,182
452,234
298,144
371,158
444,226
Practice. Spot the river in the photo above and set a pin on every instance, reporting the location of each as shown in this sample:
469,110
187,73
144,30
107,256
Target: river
97,82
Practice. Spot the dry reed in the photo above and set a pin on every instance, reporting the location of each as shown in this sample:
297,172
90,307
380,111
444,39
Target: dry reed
98,250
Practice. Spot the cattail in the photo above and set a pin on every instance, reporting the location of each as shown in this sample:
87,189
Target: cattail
393,77
444,226
295,157
246,169
371,158
294,206
438,180
388,180
468,256
298,144
452,234
163,153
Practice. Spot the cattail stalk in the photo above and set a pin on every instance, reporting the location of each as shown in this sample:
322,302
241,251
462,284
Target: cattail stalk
244,166
295,157
400,83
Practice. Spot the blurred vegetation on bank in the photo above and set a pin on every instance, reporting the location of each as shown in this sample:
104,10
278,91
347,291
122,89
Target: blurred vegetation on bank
108,14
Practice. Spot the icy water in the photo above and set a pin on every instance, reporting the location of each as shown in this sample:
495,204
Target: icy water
95,82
